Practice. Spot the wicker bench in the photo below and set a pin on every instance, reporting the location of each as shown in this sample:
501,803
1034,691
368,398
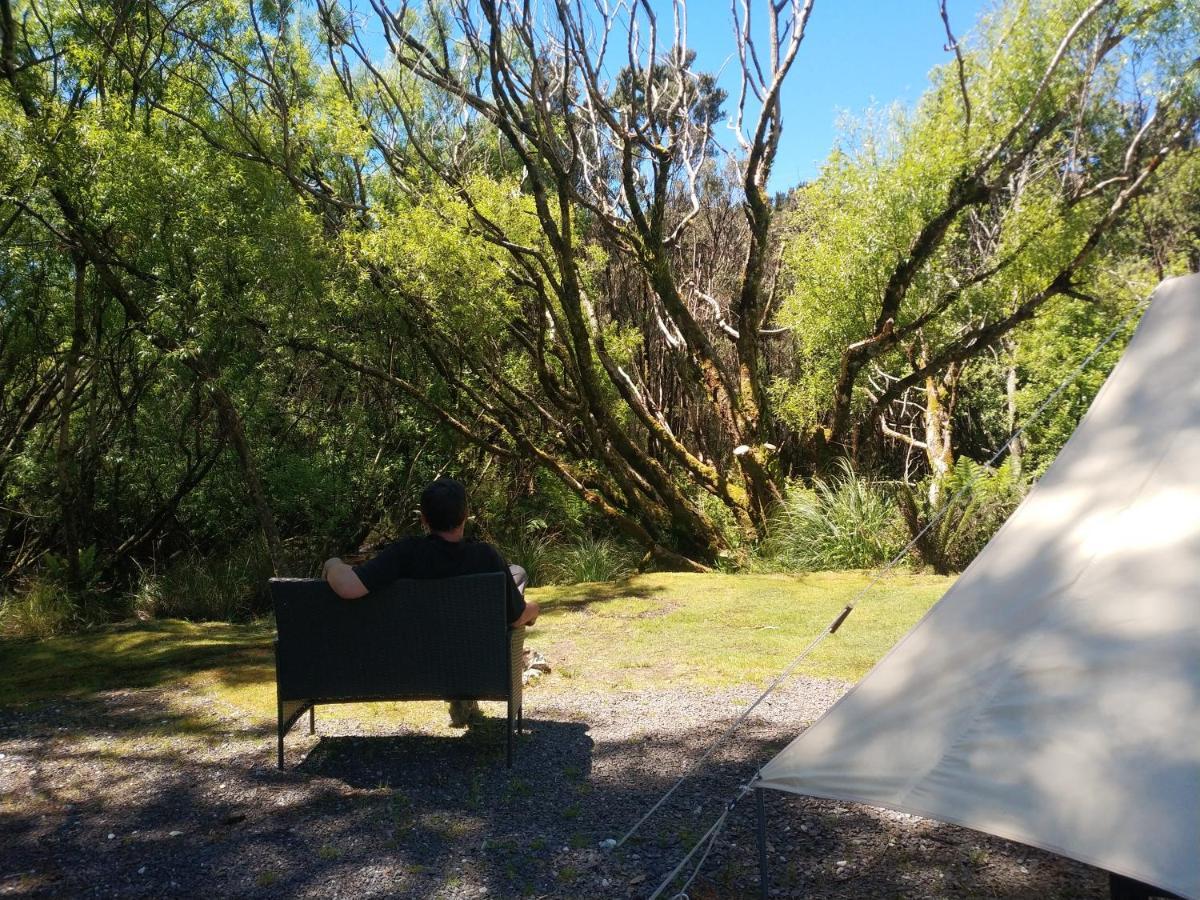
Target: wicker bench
445,639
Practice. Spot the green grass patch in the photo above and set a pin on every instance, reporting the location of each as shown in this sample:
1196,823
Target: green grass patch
139,655
722,630
703,630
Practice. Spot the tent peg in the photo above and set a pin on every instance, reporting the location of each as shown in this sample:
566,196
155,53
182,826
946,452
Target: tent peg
760,806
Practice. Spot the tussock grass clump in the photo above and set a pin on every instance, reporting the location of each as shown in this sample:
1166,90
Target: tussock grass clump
590,558
213,587
847,522
41,609
533,550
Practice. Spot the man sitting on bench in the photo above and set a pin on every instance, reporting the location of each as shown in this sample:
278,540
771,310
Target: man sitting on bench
442,553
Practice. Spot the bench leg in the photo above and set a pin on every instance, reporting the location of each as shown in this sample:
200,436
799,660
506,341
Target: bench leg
509,731
312,719
520,720
279,734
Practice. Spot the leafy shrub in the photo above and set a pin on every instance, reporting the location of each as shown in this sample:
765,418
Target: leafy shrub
222,587
988,497
732,534
533,549
847,522
590,559
42,609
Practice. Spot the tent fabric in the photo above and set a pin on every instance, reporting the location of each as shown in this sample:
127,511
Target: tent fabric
1052,696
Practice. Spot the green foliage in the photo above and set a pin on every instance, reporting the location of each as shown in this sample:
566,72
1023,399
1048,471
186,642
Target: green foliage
225,586
893,171
968,522
533,548
40,609
233,233
733,535
848,522
58,571
1057,343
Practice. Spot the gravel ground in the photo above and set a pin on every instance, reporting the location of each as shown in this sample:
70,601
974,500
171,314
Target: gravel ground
152,794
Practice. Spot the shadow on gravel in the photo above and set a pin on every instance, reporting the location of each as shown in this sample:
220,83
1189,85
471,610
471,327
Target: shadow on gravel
384,761
821,850
155,811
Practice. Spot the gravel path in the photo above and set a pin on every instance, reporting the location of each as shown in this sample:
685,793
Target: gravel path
151,794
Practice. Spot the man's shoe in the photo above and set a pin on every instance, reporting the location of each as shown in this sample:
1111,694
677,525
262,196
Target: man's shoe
462,712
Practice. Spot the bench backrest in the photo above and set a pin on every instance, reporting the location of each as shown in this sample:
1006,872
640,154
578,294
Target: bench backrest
428,639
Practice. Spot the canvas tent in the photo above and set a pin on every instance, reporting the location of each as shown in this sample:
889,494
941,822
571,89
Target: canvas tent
1053,695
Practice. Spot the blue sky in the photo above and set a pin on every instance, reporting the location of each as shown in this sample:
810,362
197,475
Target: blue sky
855,53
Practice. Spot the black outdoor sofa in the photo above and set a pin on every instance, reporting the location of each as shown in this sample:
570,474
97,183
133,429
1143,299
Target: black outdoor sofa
444,639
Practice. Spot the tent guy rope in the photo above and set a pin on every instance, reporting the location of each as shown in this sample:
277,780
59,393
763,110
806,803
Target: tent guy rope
836,623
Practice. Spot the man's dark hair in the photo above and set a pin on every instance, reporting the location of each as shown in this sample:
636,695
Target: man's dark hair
444,504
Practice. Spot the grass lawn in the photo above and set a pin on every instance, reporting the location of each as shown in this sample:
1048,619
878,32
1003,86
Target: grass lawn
682,629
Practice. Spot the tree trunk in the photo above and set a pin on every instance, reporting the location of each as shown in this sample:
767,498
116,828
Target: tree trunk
924,548
940,395
231,423
68,480
1016,450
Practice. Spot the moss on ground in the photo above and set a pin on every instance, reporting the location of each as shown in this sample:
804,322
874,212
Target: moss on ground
683,629
723,630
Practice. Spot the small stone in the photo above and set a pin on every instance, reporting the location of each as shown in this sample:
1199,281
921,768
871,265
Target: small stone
176,833
608,844
111,835
142,870
840,863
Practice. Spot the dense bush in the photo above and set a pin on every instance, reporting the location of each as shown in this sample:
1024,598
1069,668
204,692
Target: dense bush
532,548
590,559
42,608
847,522
226,321
216,586
975,501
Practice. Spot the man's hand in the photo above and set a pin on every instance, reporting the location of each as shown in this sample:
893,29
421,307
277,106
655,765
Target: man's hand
530,615
342,579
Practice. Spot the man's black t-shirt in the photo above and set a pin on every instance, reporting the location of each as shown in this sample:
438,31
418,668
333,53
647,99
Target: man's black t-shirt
434,557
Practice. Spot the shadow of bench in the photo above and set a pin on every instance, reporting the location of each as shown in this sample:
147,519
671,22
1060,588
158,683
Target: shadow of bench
439,639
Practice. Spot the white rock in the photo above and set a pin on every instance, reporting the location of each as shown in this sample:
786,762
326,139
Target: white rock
142,870
608,844
176,833
111,835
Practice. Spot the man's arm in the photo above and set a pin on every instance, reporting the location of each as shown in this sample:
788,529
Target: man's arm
342,578
530,614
